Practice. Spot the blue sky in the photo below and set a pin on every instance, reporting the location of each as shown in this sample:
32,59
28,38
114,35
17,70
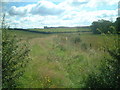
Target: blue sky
40,13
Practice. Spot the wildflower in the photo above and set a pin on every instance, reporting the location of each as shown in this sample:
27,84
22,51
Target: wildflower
49,80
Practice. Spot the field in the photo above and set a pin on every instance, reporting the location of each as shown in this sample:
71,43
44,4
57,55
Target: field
62,29
61,60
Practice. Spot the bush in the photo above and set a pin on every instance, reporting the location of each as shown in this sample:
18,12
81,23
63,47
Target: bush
109,76
84,46
15,57
75,39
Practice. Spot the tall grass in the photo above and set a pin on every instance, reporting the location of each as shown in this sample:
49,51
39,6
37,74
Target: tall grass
109,70
62,60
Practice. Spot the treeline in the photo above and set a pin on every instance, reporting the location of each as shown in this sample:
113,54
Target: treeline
105,26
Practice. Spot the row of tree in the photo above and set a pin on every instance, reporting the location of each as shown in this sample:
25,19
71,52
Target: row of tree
105,26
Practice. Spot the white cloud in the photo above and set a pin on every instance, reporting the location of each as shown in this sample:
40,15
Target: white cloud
46,8
66,13
72,19
97,3
77,2
20,0
41,8
112,2
17,11
20,11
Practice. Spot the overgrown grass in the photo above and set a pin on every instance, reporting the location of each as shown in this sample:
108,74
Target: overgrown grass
61,60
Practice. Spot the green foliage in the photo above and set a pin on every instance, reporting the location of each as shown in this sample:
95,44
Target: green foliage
75,70
84,46
109,76
65,63
75,39
15,56
102,26
14,59
0,59
117,25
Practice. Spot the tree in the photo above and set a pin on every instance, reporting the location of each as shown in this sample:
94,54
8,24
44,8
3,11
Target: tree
94,27
117,25
15,57
101,26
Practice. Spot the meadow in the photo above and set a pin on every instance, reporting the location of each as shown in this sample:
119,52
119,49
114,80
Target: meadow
61,60
62,29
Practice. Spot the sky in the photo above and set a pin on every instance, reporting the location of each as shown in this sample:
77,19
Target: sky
53,13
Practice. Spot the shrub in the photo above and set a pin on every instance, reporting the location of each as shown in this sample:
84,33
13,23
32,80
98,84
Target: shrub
15,56
109,76
84,46
75,39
